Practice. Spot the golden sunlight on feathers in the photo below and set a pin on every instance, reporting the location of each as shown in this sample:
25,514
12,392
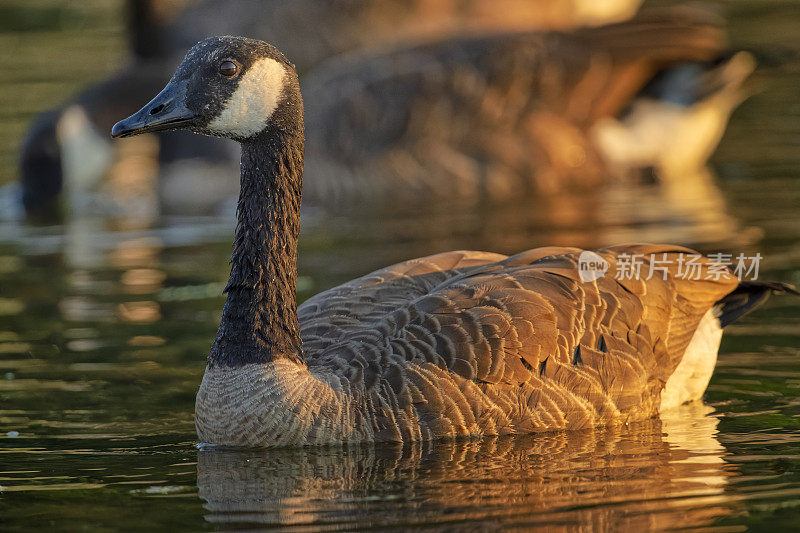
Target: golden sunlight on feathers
469,343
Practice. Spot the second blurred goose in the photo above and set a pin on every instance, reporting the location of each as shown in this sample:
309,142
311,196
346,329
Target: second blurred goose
496,117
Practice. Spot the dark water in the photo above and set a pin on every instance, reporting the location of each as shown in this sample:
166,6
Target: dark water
105,323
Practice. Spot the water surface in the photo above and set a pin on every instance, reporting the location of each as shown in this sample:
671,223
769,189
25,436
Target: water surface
105,322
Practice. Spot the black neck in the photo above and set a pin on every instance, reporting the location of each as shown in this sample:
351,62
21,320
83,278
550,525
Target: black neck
259,320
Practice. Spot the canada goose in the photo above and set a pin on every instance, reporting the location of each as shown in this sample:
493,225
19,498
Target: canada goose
493,118
459,343
308,30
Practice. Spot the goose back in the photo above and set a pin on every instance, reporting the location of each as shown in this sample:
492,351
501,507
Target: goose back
312,30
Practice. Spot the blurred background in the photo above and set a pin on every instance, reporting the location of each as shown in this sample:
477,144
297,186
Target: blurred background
113,257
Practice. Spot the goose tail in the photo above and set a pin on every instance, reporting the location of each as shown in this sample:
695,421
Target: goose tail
675,124
690,83
747,297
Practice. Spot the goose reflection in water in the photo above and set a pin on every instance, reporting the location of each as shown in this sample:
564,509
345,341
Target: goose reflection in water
667,473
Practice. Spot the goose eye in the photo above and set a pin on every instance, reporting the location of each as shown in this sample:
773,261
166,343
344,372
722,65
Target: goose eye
228,68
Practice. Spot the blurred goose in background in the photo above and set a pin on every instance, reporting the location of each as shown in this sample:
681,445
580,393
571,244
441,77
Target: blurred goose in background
497,117
456,344
67,148
314,30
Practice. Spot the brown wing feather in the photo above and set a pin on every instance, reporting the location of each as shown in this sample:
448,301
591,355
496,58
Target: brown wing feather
525,324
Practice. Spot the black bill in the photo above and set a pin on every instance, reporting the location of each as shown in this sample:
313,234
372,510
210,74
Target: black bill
167,111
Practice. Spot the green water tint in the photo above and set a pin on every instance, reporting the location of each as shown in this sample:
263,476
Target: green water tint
105,323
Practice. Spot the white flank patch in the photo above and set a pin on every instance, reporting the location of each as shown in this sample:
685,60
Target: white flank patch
690,379
249,108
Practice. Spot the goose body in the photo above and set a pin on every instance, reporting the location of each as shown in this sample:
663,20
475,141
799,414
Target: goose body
460,343
475,343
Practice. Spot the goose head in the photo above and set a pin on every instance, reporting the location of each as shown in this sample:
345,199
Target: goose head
230,87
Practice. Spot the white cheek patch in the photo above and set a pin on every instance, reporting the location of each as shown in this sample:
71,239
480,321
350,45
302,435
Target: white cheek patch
250,107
